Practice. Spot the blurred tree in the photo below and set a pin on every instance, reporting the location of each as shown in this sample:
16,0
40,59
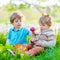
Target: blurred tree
10,1
11,7
22,6
42,0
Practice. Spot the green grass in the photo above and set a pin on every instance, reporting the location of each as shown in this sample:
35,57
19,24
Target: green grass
57,20
48,54
3,38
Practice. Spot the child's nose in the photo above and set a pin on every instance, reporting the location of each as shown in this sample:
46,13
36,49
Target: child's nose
40,26
19,22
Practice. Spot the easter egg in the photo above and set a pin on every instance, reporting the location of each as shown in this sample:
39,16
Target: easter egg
32,29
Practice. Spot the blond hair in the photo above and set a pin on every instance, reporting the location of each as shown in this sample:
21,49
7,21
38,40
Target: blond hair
14,16
45,19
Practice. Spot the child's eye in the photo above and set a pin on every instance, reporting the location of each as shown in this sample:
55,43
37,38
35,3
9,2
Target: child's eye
16,21
43,25
20,20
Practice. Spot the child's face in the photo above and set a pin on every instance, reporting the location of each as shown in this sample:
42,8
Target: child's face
43,26
17,23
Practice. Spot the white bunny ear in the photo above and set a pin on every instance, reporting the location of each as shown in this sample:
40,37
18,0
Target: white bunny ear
39,9
48,10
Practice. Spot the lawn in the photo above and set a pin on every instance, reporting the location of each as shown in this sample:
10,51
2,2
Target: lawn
48,54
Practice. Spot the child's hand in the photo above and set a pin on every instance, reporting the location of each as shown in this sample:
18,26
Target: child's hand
38,44
32,40
32,29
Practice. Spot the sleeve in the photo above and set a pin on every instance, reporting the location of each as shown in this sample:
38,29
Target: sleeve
51,40
9,34
29,32
8,37
48,43
51,37
7,42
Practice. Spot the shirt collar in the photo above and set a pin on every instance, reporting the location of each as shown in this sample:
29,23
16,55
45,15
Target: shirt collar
15,29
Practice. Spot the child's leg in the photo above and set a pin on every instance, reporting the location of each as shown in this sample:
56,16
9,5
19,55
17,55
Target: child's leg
34,50
29,46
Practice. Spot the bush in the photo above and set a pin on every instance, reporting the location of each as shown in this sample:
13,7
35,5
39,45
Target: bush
3,38
58,39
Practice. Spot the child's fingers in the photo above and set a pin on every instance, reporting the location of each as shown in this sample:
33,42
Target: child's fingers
38,44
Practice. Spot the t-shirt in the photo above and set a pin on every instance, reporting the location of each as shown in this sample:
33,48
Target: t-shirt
18,36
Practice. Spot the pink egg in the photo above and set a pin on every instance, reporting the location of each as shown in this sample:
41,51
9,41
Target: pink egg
32,29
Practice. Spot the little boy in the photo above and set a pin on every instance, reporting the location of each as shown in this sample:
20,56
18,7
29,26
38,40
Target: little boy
17,34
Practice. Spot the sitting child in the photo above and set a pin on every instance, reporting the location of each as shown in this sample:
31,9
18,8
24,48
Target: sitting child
45,38
17,34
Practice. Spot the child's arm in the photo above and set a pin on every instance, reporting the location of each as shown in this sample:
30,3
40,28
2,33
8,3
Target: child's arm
47,36
43,37
48,43
51,37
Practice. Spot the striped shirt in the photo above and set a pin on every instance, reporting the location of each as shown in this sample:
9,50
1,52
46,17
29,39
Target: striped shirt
47,38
